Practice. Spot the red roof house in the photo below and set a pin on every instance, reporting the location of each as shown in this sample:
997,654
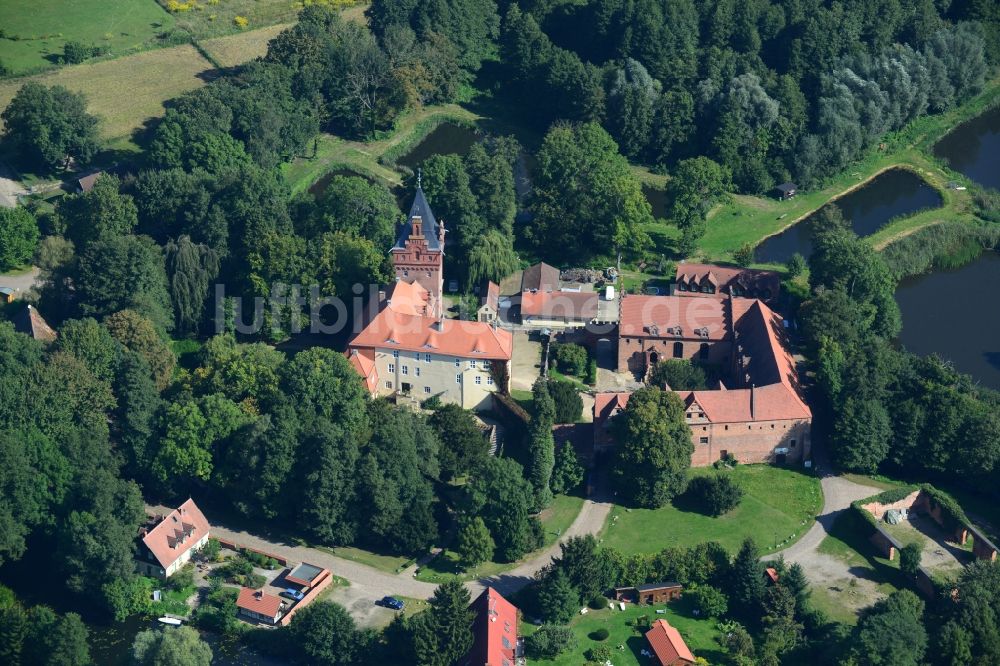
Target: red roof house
168,545
668,646
707,279
259,606
495,640
566,307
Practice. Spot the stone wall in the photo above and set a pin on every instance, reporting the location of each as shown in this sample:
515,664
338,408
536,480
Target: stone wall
633,351
885,544
751,442
878,509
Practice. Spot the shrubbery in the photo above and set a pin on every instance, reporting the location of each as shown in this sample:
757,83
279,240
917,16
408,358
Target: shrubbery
709,600
599,634
548,642
715,495
570,358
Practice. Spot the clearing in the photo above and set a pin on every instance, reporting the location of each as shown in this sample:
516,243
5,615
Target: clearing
128,91
627,629
779,506
37,30
555,521
234,50
213,18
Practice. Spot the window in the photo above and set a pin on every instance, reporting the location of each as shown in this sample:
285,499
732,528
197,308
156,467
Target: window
416,371
689,415
388,385
458,362
405,369
392,367
479,380
703,440
427,389
406,273
489,382
486,365
727,427
678,350
458,378
793,443
427,358
703,351
506,642
428,273
682,286
472,363
395,353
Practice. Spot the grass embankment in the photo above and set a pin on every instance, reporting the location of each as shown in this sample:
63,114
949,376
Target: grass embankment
36,31
751,219
364,156
555,521
700,635
778,508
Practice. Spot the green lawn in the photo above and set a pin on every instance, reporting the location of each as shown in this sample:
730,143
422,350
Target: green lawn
390,563
37,30
699,634
555,520
172,602
779,507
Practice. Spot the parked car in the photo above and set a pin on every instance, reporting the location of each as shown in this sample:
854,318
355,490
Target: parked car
391,602
293,594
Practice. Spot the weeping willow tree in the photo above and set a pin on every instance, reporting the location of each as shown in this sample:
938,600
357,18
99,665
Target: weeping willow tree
491,258
191,267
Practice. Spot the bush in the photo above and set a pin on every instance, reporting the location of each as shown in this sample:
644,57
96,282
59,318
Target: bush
598,654
181,579
259,559
592,372
210,553
569,404
570,358
598,602
909,559
744,255
549,642
710,601
679,374
599,634
714,495
796,265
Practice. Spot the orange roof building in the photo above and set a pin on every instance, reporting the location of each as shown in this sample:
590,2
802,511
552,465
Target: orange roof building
711,280
558,308
668,647
408,347
495,641
169,544
757,413
259,606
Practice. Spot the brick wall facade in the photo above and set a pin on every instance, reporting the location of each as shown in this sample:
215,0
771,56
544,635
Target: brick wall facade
633,353
877,509
753,442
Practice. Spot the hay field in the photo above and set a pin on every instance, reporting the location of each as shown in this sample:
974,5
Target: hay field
37,30
127,91
244,47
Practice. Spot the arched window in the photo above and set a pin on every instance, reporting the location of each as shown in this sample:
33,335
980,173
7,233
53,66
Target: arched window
654,358
678,350
703,351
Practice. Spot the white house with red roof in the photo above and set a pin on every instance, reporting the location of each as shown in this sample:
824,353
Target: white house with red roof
494,630
668,648
168,545
408,347
259,606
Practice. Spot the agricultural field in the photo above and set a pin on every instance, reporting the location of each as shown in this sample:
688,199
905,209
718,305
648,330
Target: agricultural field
35,31
778,508
626,633
212,18
128,91
237,49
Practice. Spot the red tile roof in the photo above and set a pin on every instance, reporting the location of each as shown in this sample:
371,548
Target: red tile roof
772,573
667,644
559,304
540,277
659,316
753,282
408,298
607,405
491,295
363,361
467,339
173,536
494,630
259,602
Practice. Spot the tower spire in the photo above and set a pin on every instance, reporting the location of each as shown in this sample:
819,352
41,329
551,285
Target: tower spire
420,177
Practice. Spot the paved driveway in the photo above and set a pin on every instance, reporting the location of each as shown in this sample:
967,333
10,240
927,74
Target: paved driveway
19,282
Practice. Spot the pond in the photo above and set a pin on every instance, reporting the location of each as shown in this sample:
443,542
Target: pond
889,195
657,199
319,187
447,138
956,314
973,148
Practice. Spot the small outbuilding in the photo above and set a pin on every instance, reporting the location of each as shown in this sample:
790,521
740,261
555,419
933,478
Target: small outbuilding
650,593
258,606
786,190
6,295
668,648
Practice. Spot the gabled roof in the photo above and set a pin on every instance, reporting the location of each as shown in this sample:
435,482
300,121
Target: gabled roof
494,631
490,295
177,533
86,183
659,317
408,298
725,276
259,602
466,339
421,209
607,404
29,322
567,304
648,587
540,277
363,361
668,645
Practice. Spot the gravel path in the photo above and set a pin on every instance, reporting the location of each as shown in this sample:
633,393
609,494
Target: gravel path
20,282
368,584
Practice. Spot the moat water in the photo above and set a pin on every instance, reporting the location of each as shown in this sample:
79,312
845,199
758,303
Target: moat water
956,315
445,139
892,194
973,148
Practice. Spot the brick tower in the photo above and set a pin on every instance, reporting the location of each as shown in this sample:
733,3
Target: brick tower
418,255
